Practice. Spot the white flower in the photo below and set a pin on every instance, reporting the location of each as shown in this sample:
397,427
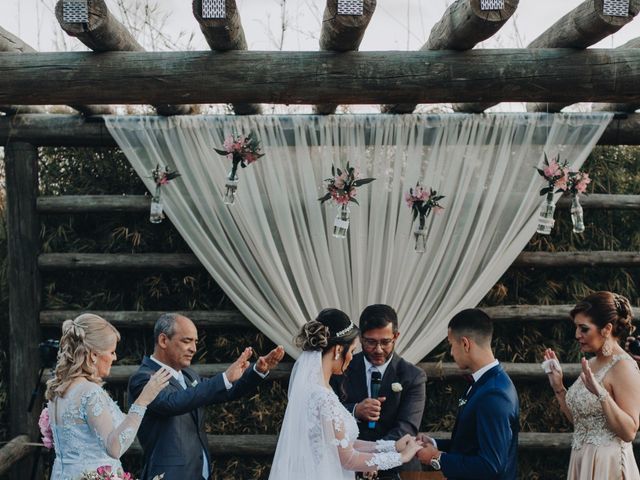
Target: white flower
194,383
461,402
396,387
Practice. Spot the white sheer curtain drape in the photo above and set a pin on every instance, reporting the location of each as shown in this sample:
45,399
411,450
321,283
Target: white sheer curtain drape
273,251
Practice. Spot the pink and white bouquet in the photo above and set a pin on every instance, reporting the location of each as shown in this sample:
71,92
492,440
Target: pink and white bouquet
556,174
163,176
341,187
108,473
242,150
422,202
45,428
577,183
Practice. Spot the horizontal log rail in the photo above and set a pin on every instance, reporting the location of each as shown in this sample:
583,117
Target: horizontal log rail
480,75
59,130
69,204
116,262
14,451
233,318
434,371
262,445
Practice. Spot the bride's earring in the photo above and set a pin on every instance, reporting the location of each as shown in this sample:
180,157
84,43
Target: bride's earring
607,347
337,355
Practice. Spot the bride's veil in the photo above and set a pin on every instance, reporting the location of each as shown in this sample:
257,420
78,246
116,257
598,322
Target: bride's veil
302,451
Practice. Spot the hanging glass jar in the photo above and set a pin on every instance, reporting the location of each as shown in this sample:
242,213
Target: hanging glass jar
231,187
156,214
577,217
420,234
341,223
545,218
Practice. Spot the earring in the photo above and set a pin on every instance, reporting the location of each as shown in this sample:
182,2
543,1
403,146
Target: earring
607,348
94,360
336,356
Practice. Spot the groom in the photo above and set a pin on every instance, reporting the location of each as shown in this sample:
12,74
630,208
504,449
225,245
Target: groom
397,408
484,442
172,430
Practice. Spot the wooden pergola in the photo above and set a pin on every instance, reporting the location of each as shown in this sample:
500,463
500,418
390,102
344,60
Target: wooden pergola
555,70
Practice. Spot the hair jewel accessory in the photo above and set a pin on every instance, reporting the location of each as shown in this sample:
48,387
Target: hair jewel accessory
616,301
344,331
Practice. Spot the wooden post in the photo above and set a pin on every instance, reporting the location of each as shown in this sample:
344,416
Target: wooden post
14,451
21,165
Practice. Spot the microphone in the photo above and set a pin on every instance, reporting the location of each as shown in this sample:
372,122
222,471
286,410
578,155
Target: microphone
376,380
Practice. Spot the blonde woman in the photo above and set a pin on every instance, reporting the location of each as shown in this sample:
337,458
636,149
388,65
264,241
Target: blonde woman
603,402
89,430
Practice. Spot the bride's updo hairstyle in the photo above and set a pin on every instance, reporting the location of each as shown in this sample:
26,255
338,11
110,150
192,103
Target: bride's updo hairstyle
85,334
331,327
607,307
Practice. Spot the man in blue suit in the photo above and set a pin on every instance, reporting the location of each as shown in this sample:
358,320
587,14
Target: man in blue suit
172,435
484,441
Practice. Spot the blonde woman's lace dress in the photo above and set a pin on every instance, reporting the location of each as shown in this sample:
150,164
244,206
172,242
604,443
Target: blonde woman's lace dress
597,453
89,430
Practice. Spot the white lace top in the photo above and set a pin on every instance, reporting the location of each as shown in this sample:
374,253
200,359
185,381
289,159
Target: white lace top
590,424
89,430
326,413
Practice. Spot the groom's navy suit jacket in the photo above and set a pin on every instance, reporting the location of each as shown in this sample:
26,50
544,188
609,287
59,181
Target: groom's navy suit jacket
401,411
172,431
484,441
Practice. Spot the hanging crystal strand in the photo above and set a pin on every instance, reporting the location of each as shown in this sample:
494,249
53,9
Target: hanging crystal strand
420,234
577,217
156,215
341,223
545,219
230,187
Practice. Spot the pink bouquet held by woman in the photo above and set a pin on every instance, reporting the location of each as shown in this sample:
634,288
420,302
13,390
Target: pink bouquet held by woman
107,473
45,428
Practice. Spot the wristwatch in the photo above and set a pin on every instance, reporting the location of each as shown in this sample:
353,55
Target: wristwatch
435,462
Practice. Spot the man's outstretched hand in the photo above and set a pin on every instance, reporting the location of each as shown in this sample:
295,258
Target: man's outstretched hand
270,360
237,368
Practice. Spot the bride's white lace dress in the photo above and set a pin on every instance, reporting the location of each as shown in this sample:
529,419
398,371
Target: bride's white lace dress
318,438
89,430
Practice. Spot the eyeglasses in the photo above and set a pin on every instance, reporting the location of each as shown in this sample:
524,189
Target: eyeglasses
371,343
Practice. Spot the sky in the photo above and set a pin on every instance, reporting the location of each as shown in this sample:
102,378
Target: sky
396,25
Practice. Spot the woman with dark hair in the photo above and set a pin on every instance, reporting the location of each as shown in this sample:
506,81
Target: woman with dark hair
318,438
603,403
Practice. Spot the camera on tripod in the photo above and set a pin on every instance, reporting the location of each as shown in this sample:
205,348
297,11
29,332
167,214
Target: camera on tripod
48,351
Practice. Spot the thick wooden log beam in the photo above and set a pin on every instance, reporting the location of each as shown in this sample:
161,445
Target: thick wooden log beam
71,204
104,33
233,318
185,261
582,27
222,35
10,43
342,33
434,371
133,319
620,107
462,26
14,451
23,244
58,130
312,77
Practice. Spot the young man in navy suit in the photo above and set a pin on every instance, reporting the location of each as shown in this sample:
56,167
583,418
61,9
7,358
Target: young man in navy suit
484,441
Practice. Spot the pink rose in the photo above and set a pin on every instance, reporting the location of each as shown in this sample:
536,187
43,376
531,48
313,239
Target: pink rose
45,428
340,180
552,170
228,143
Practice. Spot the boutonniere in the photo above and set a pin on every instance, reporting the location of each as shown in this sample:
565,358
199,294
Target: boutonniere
462,402
396,387
194,383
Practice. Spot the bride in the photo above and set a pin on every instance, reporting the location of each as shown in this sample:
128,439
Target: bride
318,439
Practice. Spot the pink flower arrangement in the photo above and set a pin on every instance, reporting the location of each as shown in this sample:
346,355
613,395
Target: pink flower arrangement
422,202
556,174
106,472
578,182
45,428
342,186
242,150
163,176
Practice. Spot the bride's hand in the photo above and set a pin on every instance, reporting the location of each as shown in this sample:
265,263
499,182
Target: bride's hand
410,450
154,386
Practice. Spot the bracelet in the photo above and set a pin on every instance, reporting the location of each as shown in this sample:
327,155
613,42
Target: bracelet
558,392
602,397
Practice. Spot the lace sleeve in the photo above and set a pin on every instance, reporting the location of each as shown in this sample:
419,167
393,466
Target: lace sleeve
343,431
115,430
